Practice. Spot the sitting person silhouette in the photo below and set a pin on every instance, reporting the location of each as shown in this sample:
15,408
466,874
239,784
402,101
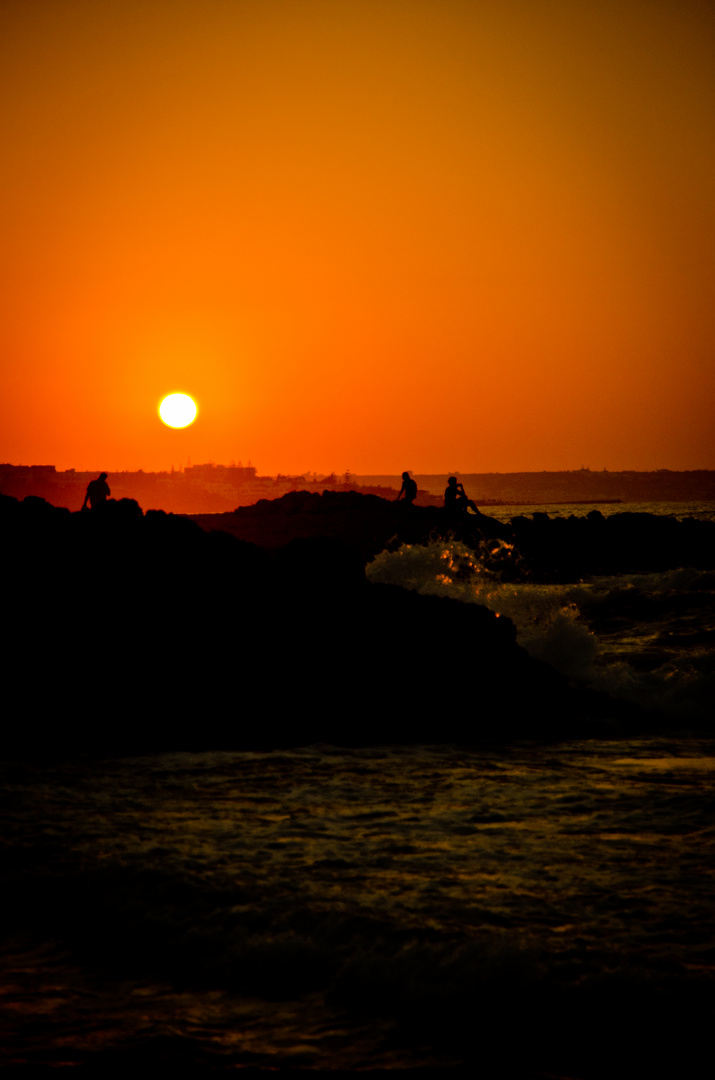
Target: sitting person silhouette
97,493
409,489
455,497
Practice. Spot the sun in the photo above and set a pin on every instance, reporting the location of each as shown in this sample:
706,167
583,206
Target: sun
178,410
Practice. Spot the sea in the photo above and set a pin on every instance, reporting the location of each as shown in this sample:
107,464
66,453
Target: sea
531,909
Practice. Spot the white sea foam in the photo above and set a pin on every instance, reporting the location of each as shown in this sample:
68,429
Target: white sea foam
644,637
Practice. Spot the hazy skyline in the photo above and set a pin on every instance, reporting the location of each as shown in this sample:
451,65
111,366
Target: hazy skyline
408,234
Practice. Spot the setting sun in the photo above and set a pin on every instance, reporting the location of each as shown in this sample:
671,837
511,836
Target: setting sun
178,410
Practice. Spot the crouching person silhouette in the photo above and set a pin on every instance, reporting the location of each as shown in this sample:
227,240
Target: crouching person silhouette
455,497
97,493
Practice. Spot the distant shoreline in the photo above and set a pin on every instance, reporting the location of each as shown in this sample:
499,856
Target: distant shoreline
216,489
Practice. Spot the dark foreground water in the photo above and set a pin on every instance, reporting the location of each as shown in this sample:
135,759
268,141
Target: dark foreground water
531,910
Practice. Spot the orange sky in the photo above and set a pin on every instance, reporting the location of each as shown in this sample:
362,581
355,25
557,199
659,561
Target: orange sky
364,234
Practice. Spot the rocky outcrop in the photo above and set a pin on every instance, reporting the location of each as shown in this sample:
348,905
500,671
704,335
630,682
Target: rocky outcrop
143,631
544,548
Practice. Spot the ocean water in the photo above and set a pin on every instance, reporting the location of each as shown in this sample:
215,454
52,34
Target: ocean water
701,510
533,911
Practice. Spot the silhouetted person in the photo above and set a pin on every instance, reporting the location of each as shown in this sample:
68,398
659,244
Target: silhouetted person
455,497
97,492
408,489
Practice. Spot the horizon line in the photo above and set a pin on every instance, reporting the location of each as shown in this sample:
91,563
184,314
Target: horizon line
351,473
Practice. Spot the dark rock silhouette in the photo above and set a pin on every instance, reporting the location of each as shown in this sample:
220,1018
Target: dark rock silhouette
186,638
535,548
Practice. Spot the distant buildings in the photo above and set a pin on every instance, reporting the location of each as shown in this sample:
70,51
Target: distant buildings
199,489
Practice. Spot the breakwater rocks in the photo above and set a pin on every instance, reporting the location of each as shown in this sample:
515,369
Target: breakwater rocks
131,631
536,547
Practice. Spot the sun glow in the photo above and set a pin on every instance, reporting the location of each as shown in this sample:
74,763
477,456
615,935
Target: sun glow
178,410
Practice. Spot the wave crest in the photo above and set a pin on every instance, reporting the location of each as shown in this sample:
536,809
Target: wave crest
648,638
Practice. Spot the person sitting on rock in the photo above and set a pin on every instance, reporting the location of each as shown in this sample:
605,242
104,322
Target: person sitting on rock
455,497
97,493
409,489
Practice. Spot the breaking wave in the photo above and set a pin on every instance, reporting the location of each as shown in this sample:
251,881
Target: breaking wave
647,638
